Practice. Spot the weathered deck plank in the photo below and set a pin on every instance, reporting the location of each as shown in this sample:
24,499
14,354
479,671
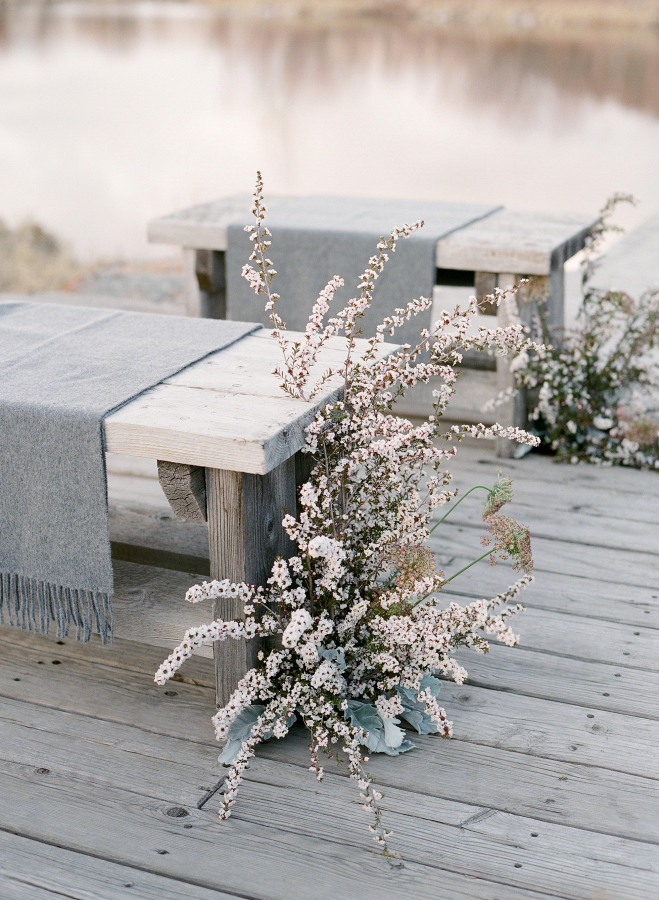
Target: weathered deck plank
429,831
578,683
590,598
178,771
507,810
125,696
262,860
34,870
627,568
496,718
569,591
171,722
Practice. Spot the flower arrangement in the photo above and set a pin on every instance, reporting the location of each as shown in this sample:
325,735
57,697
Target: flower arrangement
597,384
361,636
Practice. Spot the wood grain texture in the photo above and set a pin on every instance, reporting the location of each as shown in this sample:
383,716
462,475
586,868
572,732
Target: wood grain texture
185,489
547,790
245,513
473,837
157,528
590,685
592,798
590,598
227,411
556,791
627,568
510,775
515,241
292,865
505,241
579,522
105,691
149,606
130,656
480,843
546,486
37,870
530,725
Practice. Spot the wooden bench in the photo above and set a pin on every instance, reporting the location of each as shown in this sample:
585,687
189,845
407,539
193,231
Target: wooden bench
497,250
227,440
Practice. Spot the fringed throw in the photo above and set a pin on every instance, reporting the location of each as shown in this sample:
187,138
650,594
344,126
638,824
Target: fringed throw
62,370
35,604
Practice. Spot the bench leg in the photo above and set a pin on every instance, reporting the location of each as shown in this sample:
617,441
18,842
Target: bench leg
245,536
205,283
513,412
545,290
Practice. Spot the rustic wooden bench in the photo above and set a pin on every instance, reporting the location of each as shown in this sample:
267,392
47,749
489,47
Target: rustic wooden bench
227,440
497,250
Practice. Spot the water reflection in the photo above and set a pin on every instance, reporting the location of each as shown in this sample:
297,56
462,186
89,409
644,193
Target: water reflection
484,69
143,107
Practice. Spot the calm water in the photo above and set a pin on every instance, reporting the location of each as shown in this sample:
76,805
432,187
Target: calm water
112,115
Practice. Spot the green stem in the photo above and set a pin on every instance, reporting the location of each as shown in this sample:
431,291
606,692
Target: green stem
464,496
487,553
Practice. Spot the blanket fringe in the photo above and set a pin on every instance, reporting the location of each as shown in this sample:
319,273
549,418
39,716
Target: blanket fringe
32,604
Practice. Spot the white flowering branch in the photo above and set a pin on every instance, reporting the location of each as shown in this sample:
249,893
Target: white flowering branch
595,386
364,641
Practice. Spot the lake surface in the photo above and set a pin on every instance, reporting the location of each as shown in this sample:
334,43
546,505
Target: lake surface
111,115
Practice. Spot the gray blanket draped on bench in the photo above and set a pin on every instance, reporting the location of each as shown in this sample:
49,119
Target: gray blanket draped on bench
315,238
62,369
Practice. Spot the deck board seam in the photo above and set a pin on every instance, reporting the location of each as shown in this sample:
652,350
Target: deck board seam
474,526
254,777
167,734
582,659
564,612
539,568
8,879
126,864
240,896
603,709
487,811
536,755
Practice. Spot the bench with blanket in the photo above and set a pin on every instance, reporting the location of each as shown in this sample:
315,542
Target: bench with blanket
464,248
197,396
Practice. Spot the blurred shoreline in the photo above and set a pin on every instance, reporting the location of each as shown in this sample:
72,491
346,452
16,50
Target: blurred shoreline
558,17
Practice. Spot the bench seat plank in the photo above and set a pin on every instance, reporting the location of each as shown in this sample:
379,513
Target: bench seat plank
525,242
505,241
225,412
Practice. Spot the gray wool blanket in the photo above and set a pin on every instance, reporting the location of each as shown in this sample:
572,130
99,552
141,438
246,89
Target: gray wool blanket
62,369
315,238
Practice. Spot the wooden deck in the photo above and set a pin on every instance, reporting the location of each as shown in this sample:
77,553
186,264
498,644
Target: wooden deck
549,789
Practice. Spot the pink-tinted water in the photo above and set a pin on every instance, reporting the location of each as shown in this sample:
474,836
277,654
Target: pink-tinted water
111,115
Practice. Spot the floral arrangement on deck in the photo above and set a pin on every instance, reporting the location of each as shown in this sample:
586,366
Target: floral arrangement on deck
597,384
360,635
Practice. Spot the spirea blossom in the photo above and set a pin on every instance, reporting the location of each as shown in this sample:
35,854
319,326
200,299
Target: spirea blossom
597,382
358,638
